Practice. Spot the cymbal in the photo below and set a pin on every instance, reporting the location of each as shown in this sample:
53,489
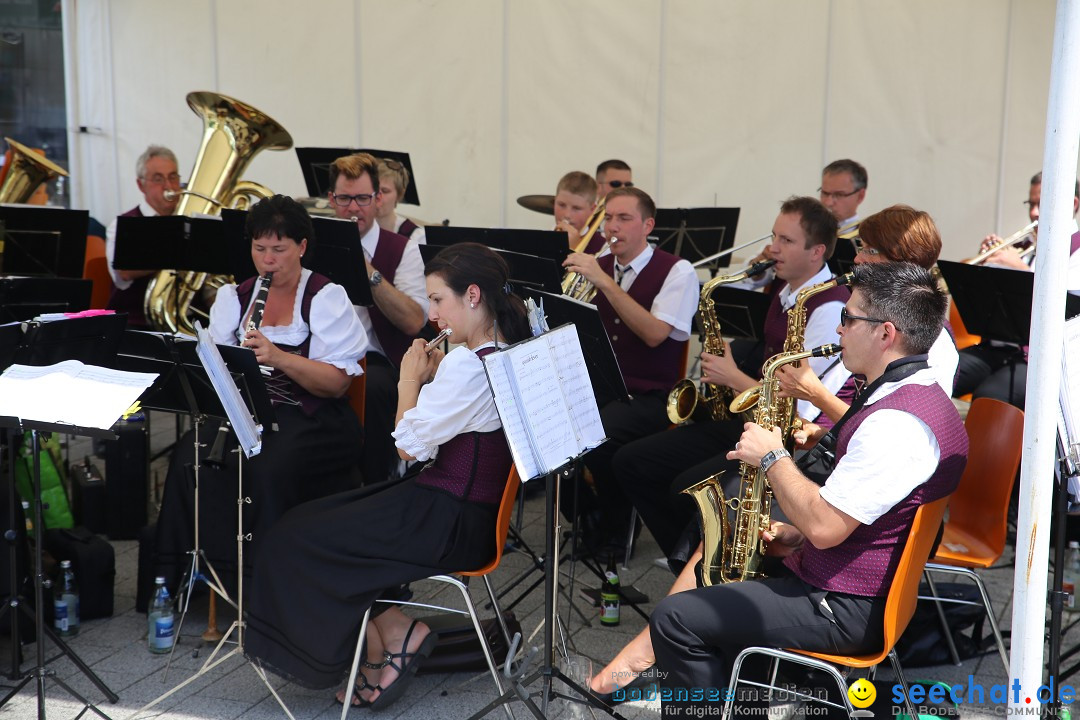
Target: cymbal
538,203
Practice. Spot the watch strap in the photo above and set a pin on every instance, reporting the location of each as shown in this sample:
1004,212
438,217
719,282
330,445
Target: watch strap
770,458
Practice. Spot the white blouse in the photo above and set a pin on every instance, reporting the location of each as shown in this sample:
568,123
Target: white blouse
337,337
457,400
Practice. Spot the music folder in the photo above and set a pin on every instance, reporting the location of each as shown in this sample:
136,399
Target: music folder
315,165
48,241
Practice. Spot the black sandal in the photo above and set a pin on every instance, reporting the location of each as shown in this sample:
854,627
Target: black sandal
410,662
357,700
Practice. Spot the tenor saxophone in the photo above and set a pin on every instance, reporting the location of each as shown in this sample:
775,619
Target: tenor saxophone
684,398
734,548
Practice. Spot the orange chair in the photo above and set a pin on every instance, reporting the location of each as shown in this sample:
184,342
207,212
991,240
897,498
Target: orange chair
899,607
96,270
974,536
961,335
502,528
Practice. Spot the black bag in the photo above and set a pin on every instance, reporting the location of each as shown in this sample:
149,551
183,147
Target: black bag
922,644
459,649
94,563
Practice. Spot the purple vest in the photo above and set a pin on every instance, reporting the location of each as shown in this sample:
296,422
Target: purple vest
406,230
131,300
644,368
386,260
865,562
776,320
596,242
471,466
278,381
1074,243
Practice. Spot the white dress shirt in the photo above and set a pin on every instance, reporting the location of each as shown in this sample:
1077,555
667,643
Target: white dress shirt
408,278
110,246
457,400
337,338
893,449
677,300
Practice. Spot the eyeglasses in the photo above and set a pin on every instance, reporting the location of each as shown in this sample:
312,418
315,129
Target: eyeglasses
392,164
1031,204
866,250
159,179
619,183
363,200
826,195
845,316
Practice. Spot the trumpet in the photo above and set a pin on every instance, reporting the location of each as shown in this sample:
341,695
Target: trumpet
1015,239
576,286
591,226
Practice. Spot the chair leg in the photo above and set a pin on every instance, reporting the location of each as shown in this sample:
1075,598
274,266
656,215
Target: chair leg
945,631
987,606
347,705
498,611
899,671
630,537
479,634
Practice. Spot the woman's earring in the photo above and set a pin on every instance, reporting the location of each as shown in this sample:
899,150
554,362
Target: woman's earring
472,305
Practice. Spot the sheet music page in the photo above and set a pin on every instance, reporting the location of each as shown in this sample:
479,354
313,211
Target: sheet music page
535,377
247,432
576,386
70,393
1070,381
512,415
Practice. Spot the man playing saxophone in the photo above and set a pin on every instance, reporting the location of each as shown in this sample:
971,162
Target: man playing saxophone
903,444
652,471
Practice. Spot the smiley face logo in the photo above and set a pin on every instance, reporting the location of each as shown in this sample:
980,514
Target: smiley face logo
862,693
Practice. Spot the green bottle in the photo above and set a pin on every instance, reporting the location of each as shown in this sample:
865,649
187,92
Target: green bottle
609,596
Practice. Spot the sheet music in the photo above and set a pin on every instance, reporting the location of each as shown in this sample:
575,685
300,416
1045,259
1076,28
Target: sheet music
544,396
70,393
247,432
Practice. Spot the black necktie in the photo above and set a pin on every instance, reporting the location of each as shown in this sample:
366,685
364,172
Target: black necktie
619,272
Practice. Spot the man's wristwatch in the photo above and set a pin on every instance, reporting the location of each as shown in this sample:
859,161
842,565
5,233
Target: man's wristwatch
770,458
375,279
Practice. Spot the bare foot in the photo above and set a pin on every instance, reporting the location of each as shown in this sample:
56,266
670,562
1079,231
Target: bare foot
635,657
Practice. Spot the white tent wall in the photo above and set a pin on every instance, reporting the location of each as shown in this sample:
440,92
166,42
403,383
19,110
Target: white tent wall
728,103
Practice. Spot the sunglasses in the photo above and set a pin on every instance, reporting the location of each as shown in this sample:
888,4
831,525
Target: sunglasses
845,316
620,183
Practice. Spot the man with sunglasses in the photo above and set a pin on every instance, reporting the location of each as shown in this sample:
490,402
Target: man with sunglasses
159,182
831,565
396,273
612,174
843,188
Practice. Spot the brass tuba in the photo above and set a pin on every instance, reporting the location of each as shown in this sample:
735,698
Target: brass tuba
24,174
685,396
233,133
793,343
733,551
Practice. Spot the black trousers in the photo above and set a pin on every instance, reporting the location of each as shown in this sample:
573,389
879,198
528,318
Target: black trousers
652,473
380,406
623,422
994,372
698,634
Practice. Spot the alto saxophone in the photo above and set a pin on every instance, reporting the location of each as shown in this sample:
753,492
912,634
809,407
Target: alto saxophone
684,398
733,550
793,343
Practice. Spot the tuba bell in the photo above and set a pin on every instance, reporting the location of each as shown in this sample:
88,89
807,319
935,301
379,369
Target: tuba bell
233,133
26,171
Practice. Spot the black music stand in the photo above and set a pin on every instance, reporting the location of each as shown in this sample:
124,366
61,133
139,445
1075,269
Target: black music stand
843,257
741,313
697,233
24,298
90,340
45,241
172,241
315,164
542,243
526,271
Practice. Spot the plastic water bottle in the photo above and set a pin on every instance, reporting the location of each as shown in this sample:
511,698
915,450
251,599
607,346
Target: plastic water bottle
159,636
1071,576
66,602
609,596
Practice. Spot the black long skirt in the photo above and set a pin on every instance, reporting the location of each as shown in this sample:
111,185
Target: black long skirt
308,457
327,561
